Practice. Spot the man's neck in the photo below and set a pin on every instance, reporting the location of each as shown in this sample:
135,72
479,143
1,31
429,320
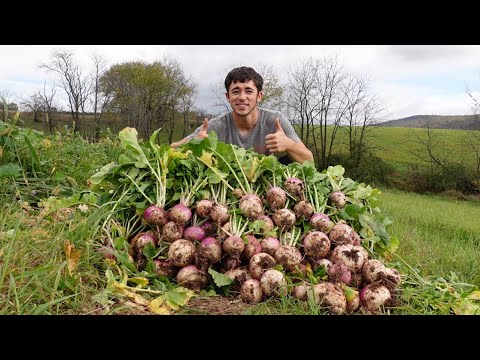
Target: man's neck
246,123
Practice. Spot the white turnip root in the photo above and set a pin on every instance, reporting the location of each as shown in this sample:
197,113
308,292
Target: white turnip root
251,291
374,297
270,245
284,218
209,227
172,231
259,263
165,268
337,199
325,263
194,233
251,206
239,276
180,214
353,257
229,263
192,278
142,239
295,187
211,249
353,299
301,290
219,214
268,223
390,278
330,296
339,273
303,208
321,222
238,193
288,256
316,244
233,246
155,215
224,231
273,282
182,252
371,270
343,233
203,208
251,248
276,198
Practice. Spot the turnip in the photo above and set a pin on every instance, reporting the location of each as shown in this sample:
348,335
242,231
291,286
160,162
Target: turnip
276,198
252,247
142,239
303,208
269,225
234,245
295,187
219,214
259,263
165,268
301,290
316,244
270,245
343,233
210,249
194,233
337,199
339,273
287,254
238,193
239,276
155,215
251,206
209,227
390,278
180,214
273,282
353,299
203,208
374,297
229,263
325,263
371,270
182,252
251,291
191,277
321,222
330,296
284,218
172,231
353,257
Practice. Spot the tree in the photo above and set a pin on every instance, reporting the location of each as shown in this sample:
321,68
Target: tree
99,101
75,85
316,99
474,133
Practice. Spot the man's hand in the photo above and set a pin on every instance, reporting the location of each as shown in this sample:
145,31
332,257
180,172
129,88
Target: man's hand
202,134
278,141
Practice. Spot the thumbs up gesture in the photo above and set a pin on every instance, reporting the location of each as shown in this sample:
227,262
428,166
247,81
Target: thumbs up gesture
278,141
202,134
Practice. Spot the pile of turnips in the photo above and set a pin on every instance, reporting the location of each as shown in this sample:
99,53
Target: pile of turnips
210,214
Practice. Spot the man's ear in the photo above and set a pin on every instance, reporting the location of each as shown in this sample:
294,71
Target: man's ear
260,96
226,95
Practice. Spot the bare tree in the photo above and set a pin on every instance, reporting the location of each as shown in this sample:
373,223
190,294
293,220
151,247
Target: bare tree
436,154
75,85
33,104
364,110
474,133
315,95
99,101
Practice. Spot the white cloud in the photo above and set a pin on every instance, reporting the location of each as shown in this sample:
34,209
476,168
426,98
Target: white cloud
412,79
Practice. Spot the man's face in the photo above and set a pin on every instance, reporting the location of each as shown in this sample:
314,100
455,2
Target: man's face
243,97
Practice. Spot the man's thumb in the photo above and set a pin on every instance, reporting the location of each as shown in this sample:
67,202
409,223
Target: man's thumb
277,125
205,124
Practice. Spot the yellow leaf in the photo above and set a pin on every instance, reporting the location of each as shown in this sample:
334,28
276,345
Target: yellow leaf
474,295
156,307
138,299
465,307
206,158
142,281
72,256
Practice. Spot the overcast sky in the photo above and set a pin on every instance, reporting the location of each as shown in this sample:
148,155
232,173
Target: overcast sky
410,79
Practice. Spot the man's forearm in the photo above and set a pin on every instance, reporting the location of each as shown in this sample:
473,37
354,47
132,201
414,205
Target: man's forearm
298,152
180,142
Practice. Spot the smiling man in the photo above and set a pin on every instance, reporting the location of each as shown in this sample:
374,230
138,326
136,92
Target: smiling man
250,126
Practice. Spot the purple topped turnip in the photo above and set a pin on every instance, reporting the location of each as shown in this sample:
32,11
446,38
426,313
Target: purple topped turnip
303,208
182,252
330,296
276,198
284,218
203,208
192,278
342,234
251,291
316,244
172,231
321,222
259,263
252,247
270,245
353,257
251,206
155,215
374,297
273,282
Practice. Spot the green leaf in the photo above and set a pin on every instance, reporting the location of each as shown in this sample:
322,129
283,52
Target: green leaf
219,278
10,170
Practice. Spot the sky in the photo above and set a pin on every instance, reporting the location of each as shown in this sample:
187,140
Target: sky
409,79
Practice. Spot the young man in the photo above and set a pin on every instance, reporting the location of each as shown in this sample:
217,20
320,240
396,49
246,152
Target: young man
249,126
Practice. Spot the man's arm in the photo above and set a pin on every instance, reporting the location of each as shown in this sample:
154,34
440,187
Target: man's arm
202,134
280,142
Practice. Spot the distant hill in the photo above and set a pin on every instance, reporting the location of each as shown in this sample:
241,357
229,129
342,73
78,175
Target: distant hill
459,122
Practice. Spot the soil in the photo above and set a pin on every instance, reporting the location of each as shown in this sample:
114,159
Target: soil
215,305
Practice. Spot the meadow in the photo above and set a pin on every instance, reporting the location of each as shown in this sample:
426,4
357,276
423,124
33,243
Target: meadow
49,263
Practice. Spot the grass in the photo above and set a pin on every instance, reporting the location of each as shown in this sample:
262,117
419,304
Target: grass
438,254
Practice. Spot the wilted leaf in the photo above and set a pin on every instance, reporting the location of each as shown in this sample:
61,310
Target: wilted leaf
72,256
157,306
219,278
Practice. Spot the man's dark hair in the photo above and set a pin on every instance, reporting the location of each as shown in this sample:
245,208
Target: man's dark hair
244,74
